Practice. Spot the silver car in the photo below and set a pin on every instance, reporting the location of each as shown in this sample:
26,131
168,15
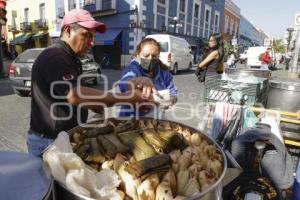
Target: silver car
20,71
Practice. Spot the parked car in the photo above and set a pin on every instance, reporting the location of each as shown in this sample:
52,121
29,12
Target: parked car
175,52
89,66
20,71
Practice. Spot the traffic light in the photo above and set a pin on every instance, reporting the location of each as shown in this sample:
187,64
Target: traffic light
3,12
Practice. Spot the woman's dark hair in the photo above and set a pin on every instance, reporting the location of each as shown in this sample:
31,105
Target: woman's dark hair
220,44
154,42
144,42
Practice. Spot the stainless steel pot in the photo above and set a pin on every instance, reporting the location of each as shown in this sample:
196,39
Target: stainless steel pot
212,193
257,73
284,94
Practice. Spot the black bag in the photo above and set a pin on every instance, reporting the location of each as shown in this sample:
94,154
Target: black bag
250,182
200,73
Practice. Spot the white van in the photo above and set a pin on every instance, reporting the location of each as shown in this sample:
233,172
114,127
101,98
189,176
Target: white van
253,54
175,52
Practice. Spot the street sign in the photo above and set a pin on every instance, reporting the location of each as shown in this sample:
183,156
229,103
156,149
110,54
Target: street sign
297,19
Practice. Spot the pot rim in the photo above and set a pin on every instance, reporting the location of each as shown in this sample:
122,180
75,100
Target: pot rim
285,85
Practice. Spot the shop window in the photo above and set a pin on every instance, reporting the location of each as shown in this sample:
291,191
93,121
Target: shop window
196,11
182,6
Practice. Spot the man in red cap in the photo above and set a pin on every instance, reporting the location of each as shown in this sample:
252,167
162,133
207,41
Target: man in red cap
59,101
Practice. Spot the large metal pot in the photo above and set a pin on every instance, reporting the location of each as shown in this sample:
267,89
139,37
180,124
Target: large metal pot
247,72
24,176
284,94
213,193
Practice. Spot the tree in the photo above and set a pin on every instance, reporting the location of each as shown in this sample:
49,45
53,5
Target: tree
278,46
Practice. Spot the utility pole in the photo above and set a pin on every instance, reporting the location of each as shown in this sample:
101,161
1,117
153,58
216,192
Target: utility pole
3,21
2,73
294,68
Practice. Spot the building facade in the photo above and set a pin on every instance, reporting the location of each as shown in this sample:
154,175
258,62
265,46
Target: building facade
231,21
129,21
37,23
30,24
250,35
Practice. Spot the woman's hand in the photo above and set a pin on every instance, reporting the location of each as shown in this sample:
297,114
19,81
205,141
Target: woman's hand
173,100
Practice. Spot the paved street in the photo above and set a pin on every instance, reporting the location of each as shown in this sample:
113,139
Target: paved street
15,110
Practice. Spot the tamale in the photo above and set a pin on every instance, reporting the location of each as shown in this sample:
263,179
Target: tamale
121,148
81,151
94,132
110,149
138,146
147,165
154,140
191,187
95,152
122,127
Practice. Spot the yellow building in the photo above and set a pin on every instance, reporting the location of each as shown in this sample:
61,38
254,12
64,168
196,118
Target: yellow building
33,23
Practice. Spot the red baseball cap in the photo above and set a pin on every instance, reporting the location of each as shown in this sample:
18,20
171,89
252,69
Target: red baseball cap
83,18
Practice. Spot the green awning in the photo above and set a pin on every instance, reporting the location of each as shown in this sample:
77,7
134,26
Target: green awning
39,35
22,38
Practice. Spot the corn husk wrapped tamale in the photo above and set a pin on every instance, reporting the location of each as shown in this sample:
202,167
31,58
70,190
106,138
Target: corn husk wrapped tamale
129,183
122,127
81,151
95,152
163,191
110,149
95,132
121,148
147,165
154,140
173,139
182,178
140,149
191,187
171,179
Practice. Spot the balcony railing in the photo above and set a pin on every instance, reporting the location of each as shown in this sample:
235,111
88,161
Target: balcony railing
26,26
41,23
13,28
89,2
89,5
60,12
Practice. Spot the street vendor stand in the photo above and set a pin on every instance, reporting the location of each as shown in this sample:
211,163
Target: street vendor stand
280,96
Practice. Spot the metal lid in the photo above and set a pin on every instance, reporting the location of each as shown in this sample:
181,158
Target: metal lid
285,84
23,176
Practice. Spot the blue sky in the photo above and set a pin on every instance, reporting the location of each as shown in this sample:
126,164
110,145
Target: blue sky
273,16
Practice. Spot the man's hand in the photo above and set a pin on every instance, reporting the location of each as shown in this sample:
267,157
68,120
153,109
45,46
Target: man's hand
144,84
139,97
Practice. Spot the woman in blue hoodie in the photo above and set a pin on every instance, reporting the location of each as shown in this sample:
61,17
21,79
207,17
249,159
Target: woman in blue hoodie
148,70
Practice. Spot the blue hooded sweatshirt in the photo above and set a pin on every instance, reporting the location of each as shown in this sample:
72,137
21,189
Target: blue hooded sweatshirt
162,80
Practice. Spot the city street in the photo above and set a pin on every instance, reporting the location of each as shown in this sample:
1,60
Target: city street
15,110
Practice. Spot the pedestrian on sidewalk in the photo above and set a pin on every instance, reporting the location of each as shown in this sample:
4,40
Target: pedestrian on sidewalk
231,60
59,101
266,59
213,63
288,57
